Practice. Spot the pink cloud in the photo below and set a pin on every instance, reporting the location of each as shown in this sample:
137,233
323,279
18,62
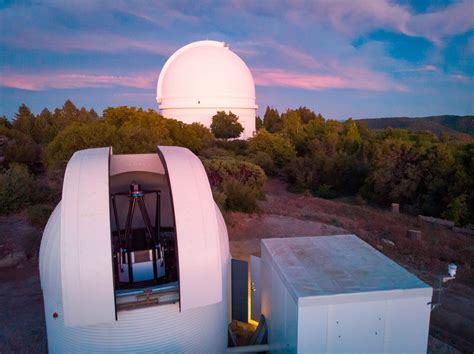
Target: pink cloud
280,77
44,81
354,79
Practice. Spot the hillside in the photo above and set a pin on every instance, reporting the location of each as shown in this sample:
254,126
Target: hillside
436,124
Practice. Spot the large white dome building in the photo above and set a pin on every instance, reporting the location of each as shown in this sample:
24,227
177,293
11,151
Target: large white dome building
202,78
156,282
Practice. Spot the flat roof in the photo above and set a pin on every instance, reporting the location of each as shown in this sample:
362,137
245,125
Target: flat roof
335,265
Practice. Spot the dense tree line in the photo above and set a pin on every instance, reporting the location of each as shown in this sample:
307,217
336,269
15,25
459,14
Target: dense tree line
436,124
424,172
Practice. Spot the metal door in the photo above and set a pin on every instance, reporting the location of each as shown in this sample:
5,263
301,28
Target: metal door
240,290
255,288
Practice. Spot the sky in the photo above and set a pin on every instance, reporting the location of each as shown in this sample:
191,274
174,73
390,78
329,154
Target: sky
341,58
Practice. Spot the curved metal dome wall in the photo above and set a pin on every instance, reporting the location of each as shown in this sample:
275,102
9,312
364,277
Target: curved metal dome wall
76,267
202,78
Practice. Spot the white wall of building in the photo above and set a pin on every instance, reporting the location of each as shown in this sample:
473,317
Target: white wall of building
391,321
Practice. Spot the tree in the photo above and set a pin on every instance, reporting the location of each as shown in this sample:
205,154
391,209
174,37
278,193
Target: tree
4,122
24,121
291,122
350,136
306,114
258,123
226,126
272,120
44,128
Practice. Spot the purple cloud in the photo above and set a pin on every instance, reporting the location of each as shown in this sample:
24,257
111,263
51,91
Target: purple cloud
68,80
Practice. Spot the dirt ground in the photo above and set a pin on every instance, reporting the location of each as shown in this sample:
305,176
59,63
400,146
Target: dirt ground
22,326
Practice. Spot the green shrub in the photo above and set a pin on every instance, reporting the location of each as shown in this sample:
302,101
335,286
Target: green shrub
236,184
265,161
299,173
39,214
193,136
324,191
140,134
215,152
220,198
219,170
240,197
237,147
17,186
458,210
19,147
278,147
76,137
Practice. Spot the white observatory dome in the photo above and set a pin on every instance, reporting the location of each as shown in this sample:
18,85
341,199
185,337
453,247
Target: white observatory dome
115,282
202,78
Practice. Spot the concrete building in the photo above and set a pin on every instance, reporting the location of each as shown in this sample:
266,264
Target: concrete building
337,294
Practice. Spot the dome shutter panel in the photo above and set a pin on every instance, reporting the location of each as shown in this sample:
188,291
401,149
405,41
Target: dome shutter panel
200,268
86,255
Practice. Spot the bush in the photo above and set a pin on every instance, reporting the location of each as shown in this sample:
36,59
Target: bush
38,214
240,197
299,173
19,147
278,147
194,136
236,184
324,191
220,198
215,152
17,186
219,170
265,161
237,147
76,137
140,134
458,210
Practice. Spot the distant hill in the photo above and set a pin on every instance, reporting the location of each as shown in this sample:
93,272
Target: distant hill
435,124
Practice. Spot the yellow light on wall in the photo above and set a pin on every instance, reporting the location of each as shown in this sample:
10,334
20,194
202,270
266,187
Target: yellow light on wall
249,307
